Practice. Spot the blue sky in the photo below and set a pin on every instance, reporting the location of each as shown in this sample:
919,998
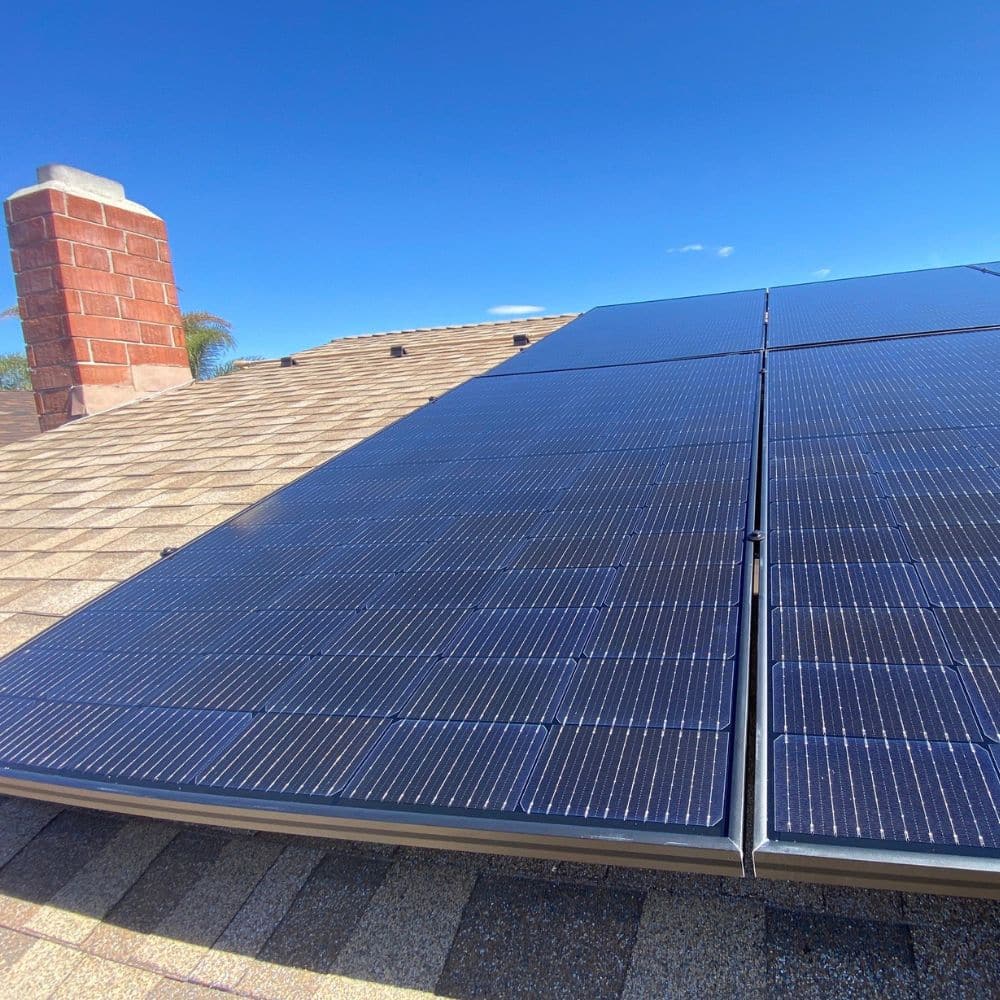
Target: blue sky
327,169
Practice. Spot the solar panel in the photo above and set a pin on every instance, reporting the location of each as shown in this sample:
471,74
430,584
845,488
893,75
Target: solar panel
883,630
949,298
428,623
650,331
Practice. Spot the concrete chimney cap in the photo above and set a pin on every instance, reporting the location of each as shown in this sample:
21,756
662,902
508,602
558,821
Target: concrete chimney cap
60,177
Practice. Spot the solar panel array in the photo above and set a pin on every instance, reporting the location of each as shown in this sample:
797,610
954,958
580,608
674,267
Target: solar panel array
884,553
521,601
528,599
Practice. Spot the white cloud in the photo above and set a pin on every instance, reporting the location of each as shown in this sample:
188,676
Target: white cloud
821,272
687,248
515,310
725,251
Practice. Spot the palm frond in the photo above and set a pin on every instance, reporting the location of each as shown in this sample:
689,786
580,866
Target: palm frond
208,338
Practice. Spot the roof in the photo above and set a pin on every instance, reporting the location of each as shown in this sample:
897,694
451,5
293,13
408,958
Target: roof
18,418
93,502
98,905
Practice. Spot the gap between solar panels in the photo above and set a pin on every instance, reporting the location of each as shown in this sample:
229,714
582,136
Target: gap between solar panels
516,620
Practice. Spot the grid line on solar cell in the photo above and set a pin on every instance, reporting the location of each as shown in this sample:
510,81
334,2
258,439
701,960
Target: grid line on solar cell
285,632
667,776
825,488
915,793
583,524
323,593
479,690
674,694
449,765
692,517
861,699
671,632
294,755
858,585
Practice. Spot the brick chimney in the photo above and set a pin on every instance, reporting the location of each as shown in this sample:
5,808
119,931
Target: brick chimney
96,295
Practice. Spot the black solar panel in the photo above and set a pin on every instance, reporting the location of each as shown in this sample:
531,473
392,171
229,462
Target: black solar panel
884,632
650,331
950,298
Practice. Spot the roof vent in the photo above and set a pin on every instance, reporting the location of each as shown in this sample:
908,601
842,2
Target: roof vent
288,361
521,340
397,351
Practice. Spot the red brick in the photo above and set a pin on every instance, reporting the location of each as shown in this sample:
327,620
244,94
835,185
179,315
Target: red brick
102,328
88,280
110,352
29,232
143,354
44,255
86,232
84,208
53,402
37,331
95,304
156,333
55,352
37,203
141,246
139,267
164,249
53,377
39,280
54,303
149,312
92,257
135,222
103,374
171,294
179,338
151,291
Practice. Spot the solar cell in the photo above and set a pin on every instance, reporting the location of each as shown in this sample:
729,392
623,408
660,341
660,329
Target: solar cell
686,546
859,585
498,690
916,793
294,755
396,632
861,699
672,632
849,512
944,508
645,775
449,765
453,588
660,693
349,685
972,634
953,541
857,635
675,583
962,583
832,545
548,588
528,633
